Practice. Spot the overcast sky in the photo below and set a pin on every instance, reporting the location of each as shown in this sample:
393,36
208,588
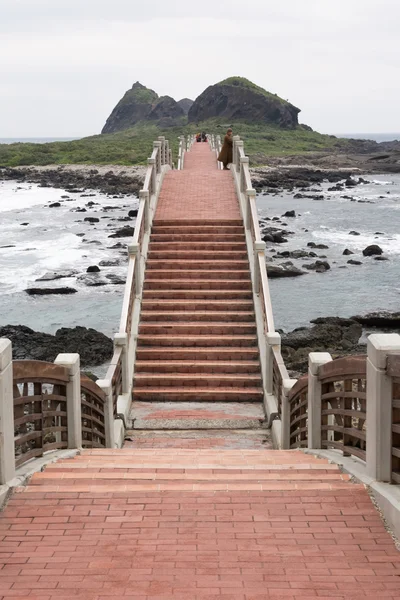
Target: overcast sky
64,64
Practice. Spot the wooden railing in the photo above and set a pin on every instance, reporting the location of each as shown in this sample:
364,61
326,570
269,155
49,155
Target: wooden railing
393,371
352,405
46,407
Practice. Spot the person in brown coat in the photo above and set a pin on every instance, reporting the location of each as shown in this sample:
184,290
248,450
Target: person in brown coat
226,154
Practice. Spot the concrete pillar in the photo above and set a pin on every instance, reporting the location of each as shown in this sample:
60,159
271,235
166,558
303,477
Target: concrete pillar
258,247
236,159
379,405
273,343
287,385
106,386
315,361
152,162
74,411
144,195
247,216
158,146
121,340
161,138
244,160
7,449
134,250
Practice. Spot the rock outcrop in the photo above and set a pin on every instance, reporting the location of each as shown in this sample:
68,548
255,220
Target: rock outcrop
135,106
185,104
239,99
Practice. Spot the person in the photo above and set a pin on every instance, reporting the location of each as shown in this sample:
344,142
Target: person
198,137
203,136
226,154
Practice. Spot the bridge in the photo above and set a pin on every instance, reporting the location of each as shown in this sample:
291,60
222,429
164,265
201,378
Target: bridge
198,469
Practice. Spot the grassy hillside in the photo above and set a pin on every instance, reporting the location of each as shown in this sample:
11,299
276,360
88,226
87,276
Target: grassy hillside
134,146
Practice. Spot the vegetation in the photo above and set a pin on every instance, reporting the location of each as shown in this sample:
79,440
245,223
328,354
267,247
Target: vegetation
246,83
133,146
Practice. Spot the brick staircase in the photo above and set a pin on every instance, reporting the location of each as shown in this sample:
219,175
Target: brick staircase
197,346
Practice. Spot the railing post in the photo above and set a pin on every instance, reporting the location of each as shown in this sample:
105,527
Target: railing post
379,405
315,361
258,247
7,448
161,139
74,408
106,386
121,340
144,195
243,161
251,193
170,158
134,250
236,158
158,146
152,162
287,385
273,343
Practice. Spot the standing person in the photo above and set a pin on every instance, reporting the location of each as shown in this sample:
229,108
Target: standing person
226,154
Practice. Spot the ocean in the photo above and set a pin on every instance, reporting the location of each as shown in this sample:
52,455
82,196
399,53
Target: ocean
52,239
37,140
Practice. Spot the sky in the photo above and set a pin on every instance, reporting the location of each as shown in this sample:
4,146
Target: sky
64,64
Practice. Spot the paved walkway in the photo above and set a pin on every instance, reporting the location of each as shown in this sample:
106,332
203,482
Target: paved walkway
200,191
194,525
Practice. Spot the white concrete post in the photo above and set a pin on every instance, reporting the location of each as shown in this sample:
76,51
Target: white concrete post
379,405
7,449
134,250
258,247
287,385
121,340
315,361
161,139
152,162
247,216
235,140
243,161
74,409
144,195
236,158
273,343
158,145
106,386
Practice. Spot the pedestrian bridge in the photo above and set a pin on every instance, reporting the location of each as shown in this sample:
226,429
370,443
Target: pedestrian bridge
198,469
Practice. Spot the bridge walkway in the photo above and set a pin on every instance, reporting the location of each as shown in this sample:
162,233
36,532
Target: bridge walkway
175,516
197,373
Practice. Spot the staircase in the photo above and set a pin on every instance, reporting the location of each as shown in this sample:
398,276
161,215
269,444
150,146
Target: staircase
197,338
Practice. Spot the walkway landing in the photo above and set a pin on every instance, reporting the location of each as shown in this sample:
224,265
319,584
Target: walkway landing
194,525
199,192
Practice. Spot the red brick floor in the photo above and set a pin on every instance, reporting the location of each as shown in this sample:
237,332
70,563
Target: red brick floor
194,525
200,191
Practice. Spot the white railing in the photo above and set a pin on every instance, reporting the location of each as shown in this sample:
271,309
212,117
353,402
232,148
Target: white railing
181,152
216,146
117,384
276,381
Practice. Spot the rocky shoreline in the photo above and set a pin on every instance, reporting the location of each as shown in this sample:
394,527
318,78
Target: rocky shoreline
111,180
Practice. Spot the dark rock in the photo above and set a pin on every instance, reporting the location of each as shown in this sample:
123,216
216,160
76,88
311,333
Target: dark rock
354,233
284,270
372,250
93,269
354,262
317,246
350,182
133,213
92,280
126,231
381,258
115,279
48,291
54,205
24,224
92,219
238,99
289,213
381,319
319,266
110,263
79,210
117,245
93,347
347,252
